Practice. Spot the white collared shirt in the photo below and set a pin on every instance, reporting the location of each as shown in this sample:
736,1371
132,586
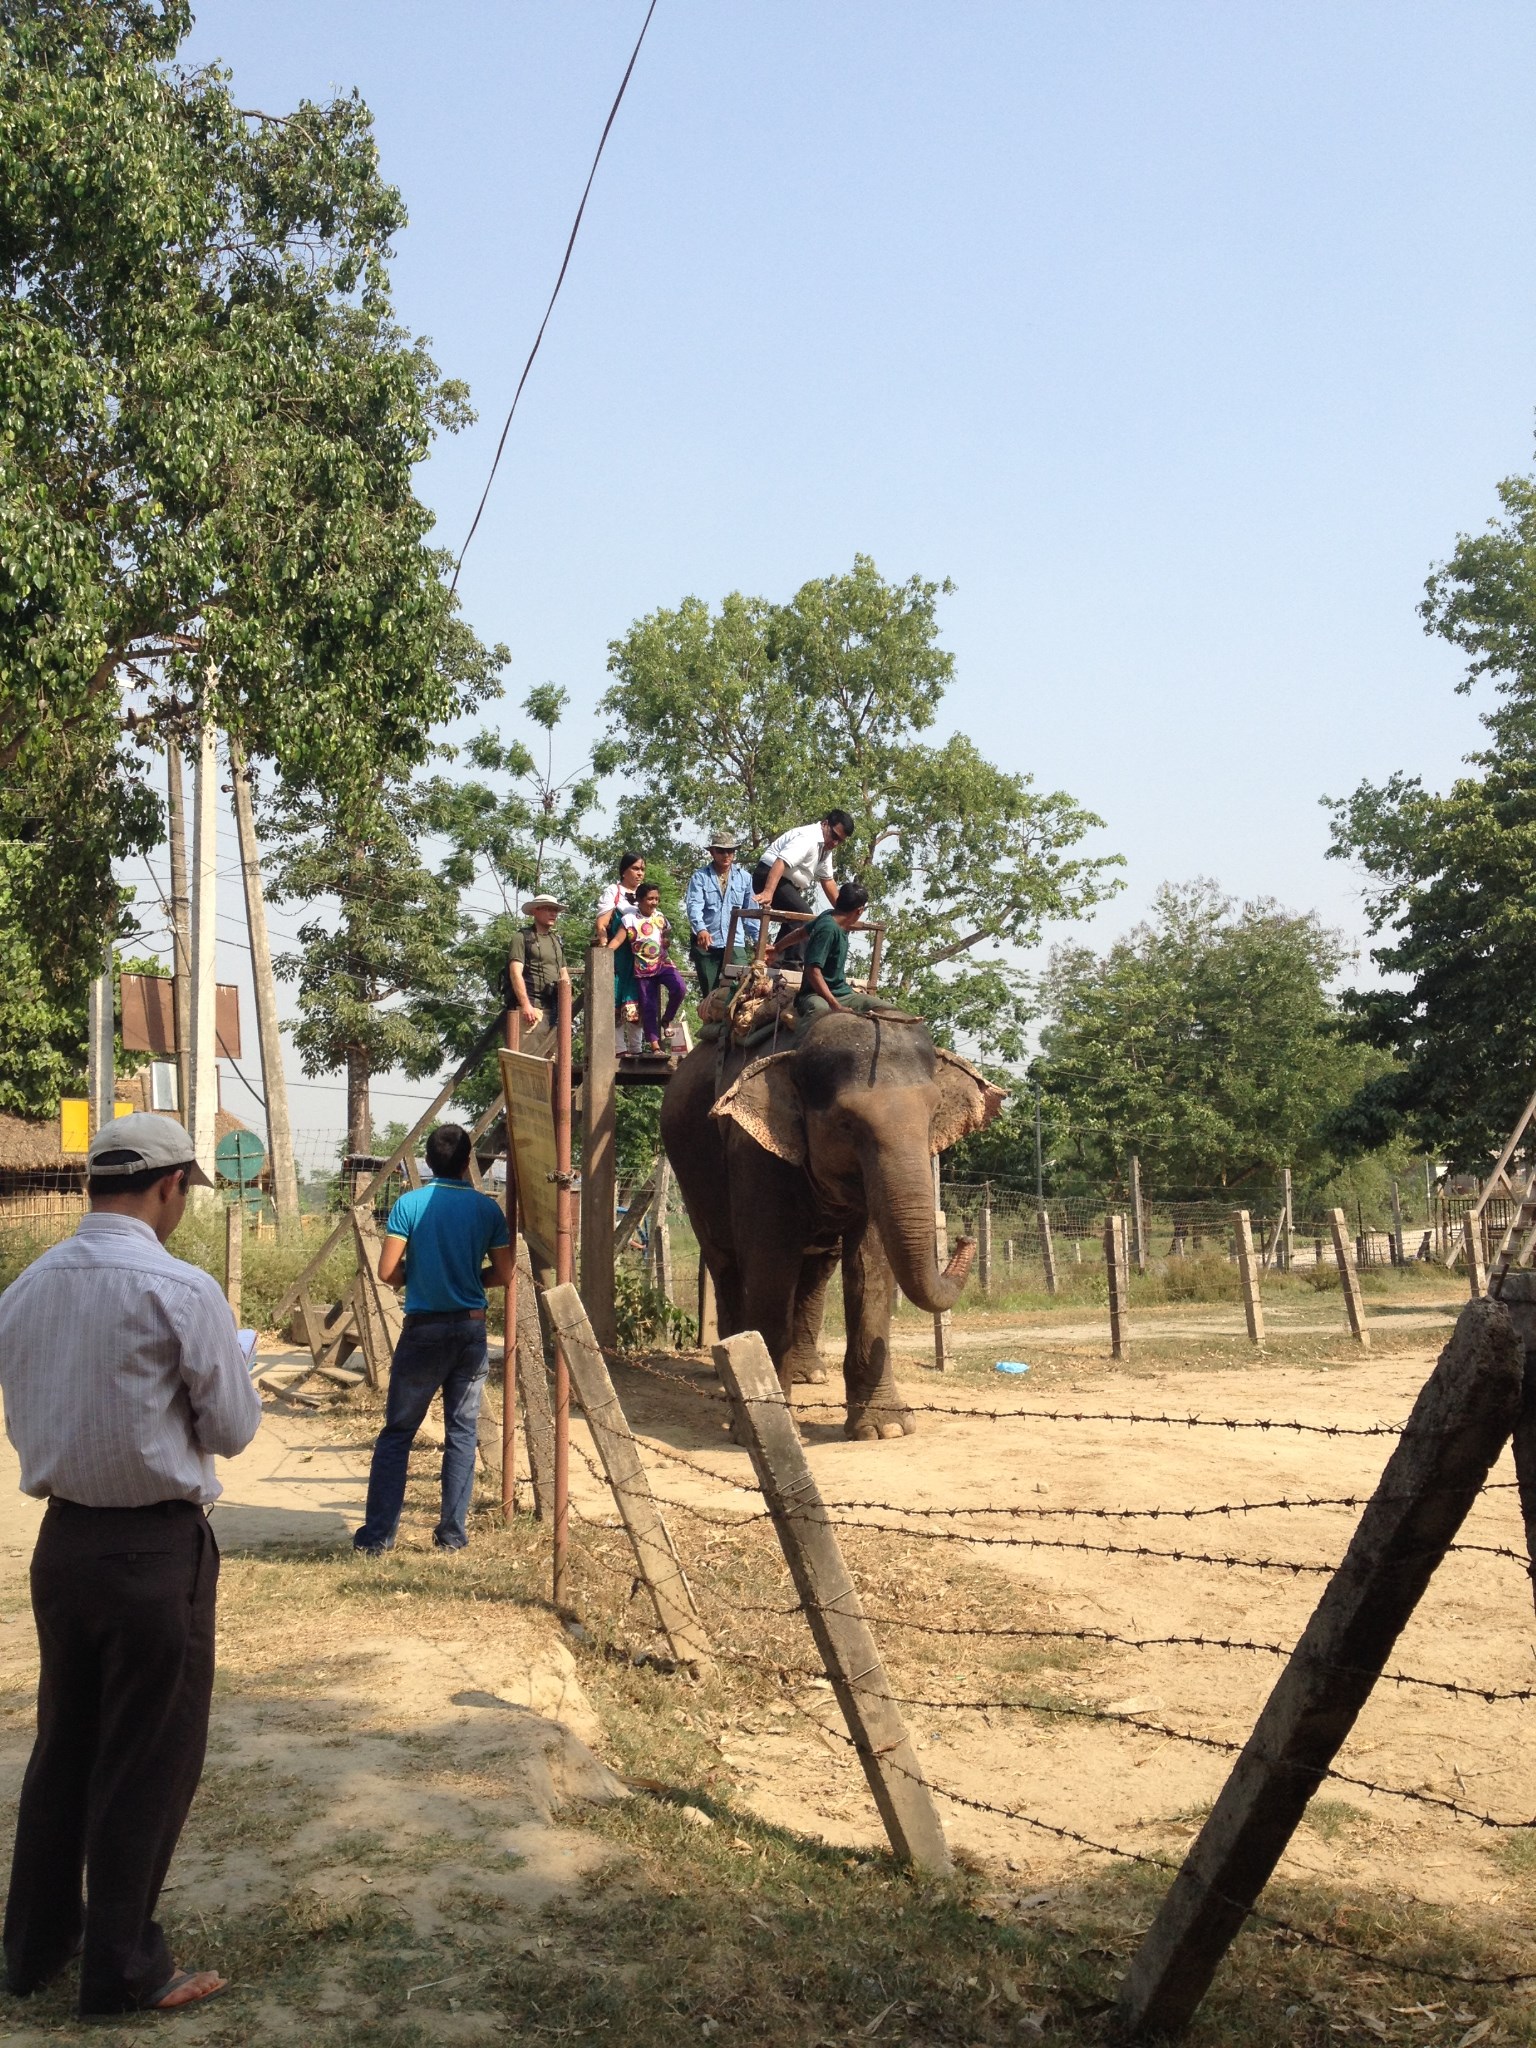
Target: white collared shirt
121,1370
806,858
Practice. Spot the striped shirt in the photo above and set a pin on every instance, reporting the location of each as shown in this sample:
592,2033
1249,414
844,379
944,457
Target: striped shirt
121,1371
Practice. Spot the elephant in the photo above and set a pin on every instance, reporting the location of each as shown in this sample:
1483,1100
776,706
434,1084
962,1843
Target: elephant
818,1154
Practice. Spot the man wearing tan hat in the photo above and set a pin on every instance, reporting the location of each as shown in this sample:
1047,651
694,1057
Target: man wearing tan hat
713,892
535,962
123,1379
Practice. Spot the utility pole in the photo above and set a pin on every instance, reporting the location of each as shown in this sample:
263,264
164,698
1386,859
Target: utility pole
181,929
202,1122
1039,1157
285,1179
100,1049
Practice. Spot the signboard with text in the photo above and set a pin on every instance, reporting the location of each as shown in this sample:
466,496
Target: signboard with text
526,1085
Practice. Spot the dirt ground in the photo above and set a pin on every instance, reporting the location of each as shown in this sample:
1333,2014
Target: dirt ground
372,1742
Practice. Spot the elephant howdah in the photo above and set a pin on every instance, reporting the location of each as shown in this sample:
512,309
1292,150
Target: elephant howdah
821,1154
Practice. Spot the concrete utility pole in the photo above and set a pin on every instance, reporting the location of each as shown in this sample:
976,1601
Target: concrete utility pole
203,1113
100,1049
181,926
285,1179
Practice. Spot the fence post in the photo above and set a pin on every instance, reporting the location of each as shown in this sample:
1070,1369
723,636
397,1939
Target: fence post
532,1377
1477,1277
1349,1279
660,1242
1115,1268
234,1254
1287,1221
709,1320
832,1608
941,1360
1047,1250
1253,1306
1398,1256
1138,1216
1460,1423
984,1240
655,1553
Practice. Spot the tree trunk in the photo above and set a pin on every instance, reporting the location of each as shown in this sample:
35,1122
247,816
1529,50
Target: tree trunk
359,1103
285,1182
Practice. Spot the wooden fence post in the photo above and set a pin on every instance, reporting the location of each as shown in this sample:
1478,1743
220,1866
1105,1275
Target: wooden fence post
1115,1267
599,1142
655,1553
1472,1237
984,1241
1398,1256
941,1358
709,1320
234,1254
1349,1279
1047,1250
1253,1306
1138,1217
1459,1425
832,1606
533,1388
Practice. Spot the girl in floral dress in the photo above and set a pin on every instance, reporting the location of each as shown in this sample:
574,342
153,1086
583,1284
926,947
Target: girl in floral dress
650,933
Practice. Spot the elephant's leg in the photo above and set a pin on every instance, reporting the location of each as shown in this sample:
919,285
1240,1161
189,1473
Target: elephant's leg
874,1406
803,1363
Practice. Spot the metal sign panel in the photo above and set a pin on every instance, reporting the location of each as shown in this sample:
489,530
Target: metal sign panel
149,1016
526,1086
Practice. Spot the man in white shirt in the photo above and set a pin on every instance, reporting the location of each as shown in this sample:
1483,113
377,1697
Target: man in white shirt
786,876
123,1378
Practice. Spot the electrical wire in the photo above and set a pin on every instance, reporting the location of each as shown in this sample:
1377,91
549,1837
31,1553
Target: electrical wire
559,281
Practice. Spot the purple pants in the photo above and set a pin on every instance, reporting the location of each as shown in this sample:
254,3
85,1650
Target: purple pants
649,987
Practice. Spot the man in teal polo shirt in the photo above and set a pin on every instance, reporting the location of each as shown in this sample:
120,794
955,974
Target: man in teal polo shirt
825,959
436,1240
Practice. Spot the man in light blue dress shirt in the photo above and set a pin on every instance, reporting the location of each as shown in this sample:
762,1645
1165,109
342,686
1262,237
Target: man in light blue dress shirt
714,890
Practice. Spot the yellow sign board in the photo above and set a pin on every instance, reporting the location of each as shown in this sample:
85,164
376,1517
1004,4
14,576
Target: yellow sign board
526,1086
74,1125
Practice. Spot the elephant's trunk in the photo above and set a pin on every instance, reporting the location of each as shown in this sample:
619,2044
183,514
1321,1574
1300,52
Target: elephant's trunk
902,1206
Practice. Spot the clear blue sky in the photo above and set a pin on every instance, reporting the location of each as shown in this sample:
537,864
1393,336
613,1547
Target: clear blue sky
1183,337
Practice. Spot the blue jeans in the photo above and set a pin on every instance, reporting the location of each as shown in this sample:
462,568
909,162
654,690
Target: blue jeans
437,1352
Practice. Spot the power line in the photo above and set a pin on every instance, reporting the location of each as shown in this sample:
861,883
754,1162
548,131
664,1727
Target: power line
560,280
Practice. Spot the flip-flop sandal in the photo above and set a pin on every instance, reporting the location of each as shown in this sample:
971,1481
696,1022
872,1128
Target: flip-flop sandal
183,1977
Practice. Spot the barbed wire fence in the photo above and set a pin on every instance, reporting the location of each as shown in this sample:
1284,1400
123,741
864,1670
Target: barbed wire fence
771,1639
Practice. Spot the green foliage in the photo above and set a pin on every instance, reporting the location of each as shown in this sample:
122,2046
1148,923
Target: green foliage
646,1320
761,716
1452,878
1205,1041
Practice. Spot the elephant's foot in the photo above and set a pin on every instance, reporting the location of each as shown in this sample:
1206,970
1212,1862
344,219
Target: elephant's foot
807,1374
878,1420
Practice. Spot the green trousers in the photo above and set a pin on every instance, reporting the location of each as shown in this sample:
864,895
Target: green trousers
856,1000
709,965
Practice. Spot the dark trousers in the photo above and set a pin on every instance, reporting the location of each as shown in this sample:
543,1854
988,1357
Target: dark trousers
709,965
124,1604
785,897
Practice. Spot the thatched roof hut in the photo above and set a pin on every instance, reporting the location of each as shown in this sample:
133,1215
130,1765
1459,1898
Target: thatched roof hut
33,1163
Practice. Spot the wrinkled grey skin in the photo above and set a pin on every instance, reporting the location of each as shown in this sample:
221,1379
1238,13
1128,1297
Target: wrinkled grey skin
868,1098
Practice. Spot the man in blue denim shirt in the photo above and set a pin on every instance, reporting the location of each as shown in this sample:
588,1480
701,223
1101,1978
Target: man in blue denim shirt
712,893
439,1235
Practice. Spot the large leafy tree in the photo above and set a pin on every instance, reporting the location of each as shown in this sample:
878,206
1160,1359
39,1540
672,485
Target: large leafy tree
759,716
1205,1041
208,423
1451,890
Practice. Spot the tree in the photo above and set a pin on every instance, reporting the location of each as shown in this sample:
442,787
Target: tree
1205,1041
760,716
381,945
209,420
1452,878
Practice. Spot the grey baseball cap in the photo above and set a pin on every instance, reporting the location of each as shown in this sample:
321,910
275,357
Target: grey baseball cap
135,1144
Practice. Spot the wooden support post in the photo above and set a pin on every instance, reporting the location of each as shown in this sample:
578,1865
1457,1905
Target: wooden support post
533,1389
1047,1250
234,1255
941,1323
379,1316
1253,1307
1517,1291
655,1553
1138,1217
984,1241
831,1605
274,1080
1472,1238
660,1240
599,1142
1349,1279
709,1320
1115,1269
1460,1423
1399,1255
564,1274
512,1039
1287,1225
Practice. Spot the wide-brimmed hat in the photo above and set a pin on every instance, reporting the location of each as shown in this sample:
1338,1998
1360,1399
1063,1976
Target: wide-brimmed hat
542,903
137,1143
727,842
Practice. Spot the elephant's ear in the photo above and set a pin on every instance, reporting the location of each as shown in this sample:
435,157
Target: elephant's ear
967,1102
764,1100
